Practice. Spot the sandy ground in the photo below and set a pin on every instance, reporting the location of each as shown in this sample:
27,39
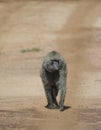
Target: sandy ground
74,29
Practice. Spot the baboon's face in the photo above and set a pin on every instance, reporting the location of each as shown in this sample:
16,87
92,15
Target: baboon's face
54,66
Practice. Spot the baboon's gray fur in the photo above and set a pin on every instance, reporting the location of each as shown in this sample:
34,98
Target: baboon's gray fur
53,81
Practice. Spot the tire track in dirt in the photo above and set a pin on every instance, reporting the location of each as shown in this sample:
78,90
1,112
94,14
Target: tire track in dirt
84,11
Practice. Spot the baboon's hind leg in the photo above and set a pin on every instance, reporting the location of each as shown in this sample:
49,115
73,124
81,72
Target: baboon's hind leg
54,93
49,96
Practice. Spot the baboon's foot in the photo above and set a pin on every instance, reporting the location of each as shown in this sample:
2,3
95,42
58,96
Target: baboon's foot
52,106
57,106
61,108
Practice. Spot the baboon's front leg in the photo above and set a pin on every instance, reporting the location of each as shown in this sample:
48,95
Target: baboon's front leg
62,86
62,97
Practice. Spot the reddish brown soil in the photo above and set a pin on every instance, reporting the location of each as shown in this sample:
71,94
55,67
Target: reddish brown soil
74,29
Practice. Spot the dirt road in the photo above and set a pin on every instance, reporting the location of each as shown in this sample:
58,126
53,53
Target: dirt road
30,29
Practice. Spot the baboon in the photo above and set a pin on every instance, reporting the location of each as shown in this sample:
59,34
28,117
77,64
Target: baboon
53,75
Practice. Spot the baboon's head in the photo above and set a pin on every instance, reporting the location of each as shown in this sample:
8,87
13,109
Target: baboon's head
53,66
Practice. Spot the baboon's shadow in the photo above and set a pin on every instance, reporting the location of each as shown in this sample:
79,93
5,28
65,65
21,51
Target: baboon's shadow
67,107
